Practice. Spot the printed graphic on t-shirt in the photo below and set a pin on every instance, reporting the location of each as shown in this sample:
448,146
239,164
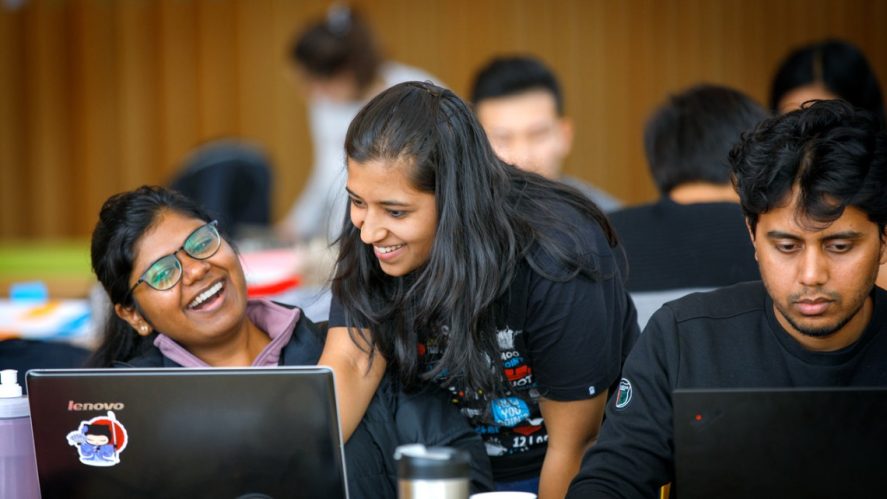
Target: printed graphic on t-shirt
509,423
509,411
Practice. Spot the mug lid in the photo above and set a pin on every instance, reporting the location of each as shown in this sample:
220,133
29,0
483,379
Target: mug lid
416,461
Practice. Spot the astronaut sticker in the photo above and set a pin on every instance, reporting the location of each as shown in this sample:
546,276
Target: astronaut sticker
99,441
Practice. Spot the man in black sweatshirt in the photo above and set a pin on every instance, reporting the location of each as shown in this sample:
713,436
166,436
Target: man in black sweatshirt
813,188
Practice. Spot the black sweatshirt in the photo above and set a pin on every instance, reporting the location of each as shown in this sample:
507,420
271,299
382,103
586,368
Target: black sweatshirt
728,338
681,246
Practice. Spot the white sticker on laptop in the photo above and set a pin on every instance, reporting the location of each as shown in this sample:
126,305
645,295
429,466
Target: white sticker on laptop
100,440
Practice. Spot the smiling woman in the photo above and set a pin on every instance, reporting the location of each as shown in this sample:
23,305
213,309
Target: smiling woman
462,272
395,218
179,299
196,296
132,243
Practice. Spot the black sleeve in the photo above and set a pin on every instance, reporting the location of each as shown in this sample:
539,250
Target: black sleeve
634,455
576,332
428,417
395,418
369,453
337,314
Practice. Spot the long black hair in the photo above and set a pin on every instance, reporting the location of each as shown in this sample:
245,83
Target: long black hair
123,219
490,214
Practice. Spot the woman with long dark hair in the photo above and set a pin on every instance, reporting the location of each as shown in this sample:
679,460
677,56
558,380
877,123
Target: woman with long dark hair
827,69
501,286
178,299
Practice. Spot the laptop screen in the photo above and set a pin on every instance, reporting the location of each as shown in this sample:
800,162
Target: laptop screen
786,443
250,432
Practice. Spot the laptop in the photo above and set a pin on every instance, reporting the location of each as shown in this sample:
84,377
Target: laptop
221,433
785,443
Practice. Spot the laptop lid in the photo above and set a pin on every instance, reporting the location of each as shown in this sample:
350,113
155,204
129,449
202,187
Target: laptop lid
786,443
232,433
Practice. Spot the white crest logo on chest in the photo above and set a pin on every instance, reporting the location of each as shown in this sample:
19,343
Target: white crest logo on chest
505,337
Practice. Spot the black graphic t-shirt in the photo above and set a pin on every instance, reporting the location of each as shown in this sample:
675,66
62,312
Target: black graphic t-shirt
510,422
562,339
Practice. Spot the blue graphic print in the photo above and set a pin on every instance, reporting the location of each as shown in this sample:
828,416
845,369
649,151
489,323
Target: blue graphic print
510,411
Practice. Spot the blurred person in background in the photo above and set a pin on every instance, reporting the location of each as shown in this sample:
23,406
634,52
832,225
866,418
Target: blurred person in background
230,178
828,69
340,67
693,238
519,102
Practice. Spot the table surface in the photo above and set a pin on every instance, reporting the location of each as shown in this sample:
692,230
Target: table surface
62,265
55,320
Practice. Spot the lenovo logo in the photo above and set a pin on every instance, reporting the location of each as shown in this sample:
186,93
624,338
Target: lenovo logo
95,406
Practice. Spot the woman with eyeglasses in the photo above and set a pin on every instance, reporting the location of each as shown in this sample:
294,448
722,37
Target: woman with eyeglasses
460,271
178,289
178,299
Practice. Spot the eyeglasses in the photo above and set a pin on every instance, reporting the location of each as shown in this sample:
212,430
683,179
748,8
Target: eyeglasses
166,271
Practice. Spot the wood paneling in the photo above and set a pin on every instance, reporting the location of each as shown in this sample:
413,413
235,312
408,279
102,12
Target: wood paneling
98,96
139,98
12,111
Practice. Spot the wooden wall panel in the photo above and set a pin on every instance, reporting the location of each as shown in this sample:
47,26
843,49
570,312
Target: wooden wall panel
291,148
217,67
12,111
48,164
94,100
178,92
99,96
138,114
258,70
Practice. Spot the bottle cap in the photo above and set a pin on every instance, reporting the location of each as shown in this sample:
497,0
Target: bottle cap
12,404
9,387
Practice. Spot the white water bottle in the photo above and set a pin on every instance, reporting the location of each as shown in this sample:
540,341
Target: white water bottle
18,466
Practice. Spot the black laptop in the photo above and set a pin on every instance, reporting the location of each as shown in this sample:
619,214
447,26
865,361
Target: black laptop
781,443
221,433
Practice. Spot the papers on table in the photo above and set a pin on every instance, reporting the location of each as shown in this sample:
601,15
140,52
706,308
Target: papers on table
67,320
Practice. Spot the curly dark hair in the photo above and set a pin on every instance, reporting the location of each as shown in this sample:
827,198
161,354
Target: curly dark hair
834,153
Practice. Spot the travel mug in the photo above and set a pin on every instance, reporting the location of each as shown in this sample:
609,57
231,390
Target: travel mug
432,472
18,466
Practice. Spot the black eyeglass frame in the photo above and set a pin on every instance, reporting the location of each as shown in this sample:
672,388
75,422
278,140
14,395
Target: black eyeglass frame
213,225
